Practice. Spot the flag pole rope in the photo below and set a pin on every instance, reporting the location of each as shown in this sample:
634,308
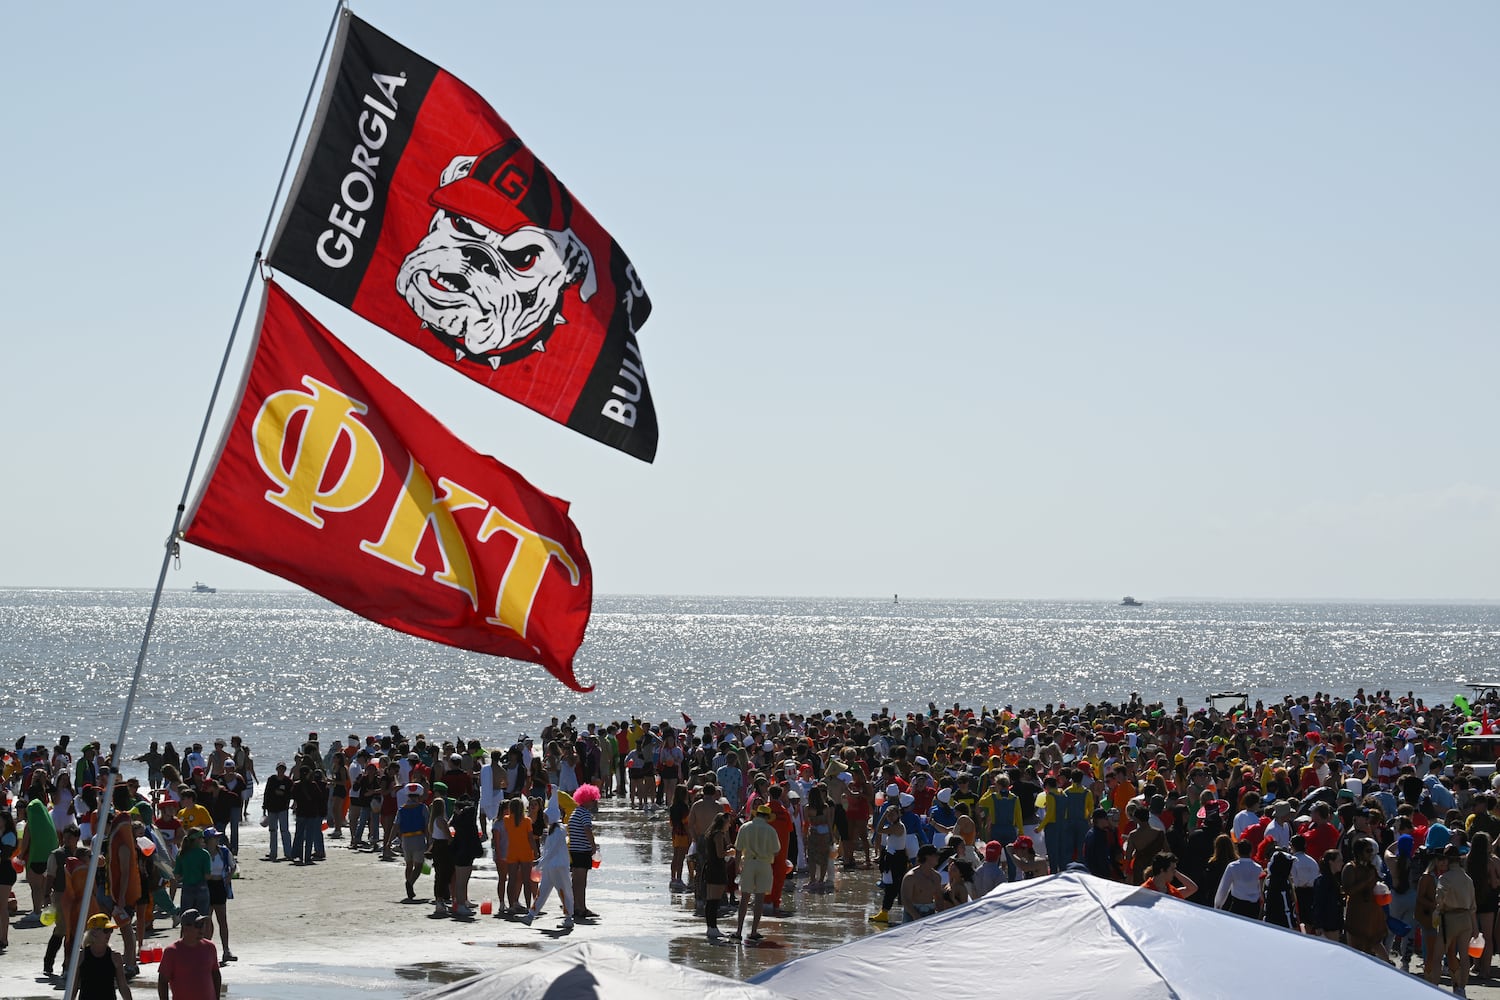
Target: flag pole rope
105,807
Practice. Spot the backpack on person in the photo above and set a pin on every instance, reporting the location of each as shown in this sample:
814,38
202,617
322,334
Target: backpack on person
411,819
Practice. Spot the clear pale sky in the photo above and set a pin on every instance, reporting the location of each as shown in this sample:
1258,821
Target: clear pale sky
974,300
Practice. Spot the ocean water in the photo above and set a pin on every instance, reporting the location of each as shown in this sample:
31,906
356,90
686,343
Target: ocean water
272,666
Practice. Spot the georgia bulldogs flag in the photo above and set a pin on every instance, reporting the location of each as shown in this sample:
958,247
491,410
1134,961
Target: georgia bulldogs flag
332,478
417,207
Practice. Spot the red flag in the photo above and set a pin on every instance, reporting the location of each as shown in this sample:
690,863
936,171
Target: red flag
332,478
419,208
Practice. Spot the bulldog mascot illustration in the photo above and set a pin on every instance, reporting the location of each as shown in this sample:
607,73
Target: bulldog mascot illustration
488,278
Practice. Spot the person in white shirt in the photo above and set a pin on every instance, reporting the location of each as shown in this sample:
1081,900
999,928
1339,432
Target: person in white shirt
1280,827
1407,753
554,868
1305,872
1153,814
1248,816
1240,887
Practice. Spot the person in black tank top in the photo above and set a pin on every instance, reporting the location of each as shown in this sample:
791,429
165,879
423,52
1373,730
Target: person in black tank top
101,972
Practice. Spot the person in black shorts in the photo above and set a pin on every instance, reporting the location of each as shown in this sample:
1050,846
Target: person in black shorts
712,849
581,846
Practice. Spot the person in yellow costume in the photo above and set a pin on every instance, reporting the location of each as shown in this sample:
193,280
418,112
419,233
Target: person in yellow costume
1046,823
191,815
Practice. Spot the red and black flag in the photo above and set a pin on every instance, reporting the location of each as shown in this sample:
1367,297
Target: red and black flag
419,208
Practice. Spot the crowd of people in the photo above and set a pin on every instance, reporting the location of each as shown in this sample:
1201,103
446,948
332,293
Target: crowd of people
171,846
1359,819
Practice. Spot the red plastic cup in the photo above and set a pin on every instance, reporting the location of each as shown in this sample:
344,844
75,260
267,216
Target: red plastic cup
486,907
596,862
18,865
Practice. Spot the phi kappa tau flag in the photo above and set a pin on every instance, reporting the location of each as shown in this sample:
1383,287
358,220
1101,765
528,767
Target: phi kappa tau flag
332,478
417,207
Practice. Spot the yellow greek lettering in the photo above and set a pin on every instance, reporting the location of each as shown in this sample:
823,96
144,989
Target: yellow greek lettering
523,576
329,415
418,509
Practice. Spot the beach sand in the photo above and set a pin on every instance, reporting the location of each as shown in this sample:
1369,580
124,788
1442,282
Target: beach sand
340,928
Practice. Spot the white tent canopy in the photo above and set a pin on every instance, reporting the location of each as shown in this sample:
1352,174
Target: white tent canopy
598,971
1074,935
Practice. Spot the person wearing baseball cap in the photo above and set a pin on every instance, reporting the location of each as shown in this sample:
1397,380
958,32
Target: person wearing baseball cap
101,969
1023,853
189,967
990,873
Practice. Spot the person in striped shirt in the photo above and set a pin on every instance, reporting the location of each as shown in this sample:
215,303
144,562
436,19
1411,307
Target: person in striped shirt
1389,765
581,845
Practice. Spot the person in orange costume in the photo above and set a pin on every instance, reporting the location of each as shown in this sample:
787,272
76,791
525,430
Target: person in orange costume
124,885
781,822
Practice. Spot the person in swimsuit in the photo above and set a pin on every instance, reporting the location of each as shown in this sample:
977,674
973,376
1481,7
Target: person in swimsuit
677,816
819,839
9,840
921,886
1162,876
859,806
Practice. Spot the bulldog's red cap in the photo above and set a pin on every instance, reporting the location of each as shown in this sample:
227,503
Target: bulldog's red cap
507,188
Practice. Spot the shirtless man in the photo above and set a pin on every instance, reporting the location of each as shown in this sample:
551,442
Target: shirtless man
218,759
700,819
922,885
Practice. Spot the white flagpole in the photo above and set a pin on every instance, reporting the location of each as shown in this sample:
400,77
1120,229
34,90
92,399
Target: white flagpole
106,804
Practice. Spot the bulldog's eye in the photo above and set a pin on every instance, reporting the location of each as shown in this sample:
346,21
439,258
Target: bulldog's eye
464,227
522,258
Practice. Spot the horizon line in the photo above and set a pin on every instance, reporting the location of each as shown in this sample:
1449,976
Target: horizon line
938,598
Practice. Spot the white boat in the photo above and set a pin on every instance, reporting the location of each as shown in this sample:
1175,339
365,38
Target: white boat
1131,602
202,588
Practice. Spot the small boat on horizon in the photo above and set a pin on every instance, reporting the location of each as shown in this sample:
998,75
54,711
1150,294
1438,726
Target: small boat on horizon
202,588
1131,602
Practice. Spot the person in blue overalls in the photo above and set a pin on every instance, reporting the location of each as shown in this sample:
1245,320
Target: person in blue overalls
1075,806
